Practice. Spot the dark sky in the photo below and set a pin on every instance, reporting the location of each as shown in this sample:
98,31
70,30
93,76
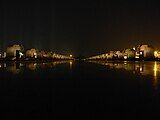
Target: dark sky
79,27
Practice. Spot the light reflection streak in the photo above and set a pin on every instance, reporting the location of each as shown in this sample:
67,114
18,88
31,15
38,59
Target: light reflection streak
70,64
18,67
155,81
140,68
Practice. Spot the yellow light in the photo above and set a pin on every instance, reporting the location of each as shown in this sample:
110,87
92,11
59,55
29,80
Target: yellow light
155,69
70,55
155,53
155,82
70,64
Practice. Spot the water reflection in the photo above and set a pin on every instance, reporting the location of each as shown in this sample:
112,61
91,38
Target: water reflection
18,67
14,67
70,64
140,68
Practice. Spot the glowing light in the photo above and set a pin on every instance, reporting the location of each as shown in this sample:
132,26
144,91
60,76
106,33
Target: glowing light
70,64
155,82
155,53
125,57
134,48
155,69
35,64
70,55
21,54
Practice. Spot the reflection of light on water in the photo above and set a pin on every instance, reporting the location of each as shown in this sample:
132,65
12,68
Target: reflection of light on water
115,64
5,65
125,62
155,69
155,82
14,68
32,66
141,69
70,64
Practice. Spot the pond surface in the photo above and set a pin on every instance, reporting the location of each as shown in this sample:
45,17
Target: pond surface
76,89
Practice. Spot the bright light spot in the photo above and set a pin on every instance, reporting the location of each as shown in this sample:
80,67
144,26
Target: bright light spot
155,53
125,57
155,69
70,64
155,82
21,54
35,64
134,48
70,55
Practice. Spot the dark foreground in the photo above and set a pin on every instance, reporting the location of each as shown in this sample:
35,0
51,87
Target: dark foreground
78,90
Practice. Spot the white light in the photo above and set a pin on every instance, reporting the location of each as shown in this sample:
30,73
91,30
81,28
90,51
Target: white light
125,57
70,55
21,54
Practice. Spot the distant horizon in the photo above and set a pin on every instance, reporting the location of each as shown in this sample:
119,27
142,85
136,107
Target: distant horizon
80,55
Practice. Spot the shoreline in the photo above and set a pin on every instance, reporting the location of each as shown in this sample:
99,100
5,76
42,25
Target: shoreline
54,60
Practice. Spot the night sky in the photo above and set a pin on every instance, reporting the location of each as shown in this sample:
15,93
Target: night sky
79,27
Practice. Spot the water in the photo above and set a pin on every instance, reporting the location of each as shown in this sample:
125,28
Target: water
76,89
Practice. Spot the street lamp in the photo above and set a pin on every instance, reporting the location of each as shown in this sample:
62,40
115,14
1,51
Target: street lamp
70,55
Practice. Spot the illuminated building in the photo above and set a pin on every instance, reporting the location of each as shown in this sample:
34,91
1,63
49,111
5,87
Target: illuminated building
110,55
157,54
32,53
129,54
14,51
146,51
120,54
